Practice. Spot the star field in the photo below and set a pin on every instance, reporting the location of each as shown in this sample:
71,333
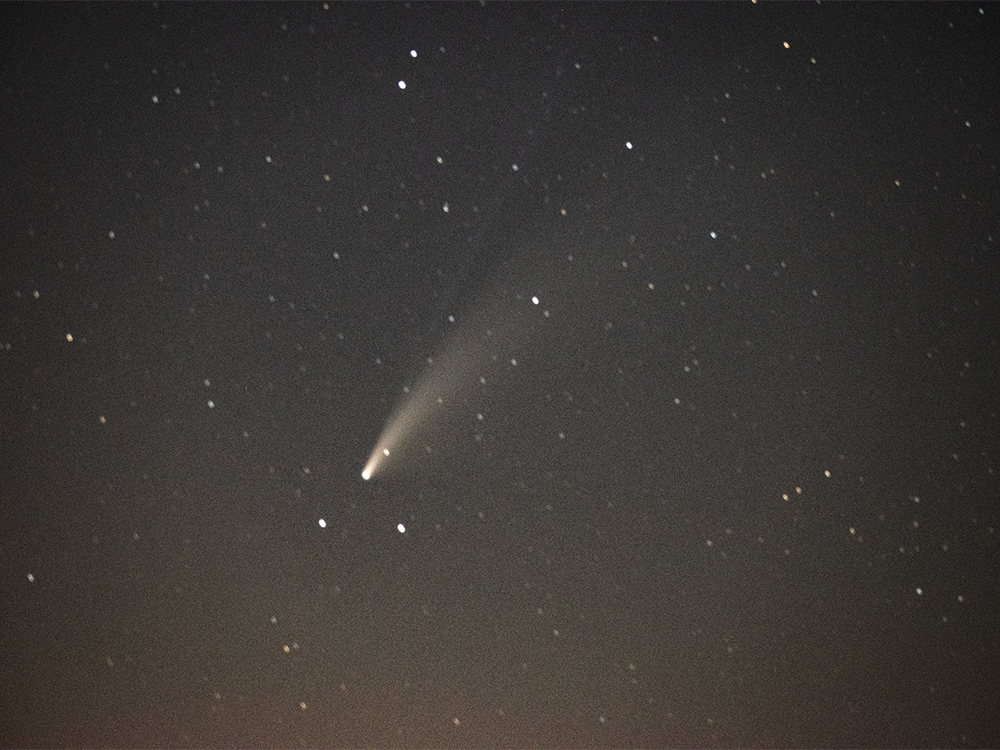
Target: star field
666,336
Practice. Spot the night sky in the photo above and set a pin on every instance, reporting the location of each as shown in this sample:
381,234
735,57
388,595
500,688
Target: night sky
680,324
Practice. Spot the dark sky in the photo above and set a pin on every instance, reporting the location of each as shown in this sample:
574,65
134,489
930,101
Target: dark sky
730,481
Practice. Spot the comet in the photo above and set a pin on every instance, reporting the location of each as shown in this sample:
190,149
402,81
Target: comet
484,347
373,462
445,380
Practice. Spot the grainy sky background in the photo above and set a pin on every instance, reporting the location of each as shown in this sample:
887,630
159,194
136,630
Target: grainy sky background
731,481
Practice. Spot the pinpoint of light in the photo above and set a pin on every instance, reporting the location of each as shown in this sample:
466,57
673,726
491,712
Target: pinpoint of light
322,523
367,473
400,528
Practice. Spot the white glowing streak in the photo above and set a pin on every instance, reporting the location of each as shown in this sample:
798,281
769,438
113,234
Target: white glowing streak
485,339
379,452
448,374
